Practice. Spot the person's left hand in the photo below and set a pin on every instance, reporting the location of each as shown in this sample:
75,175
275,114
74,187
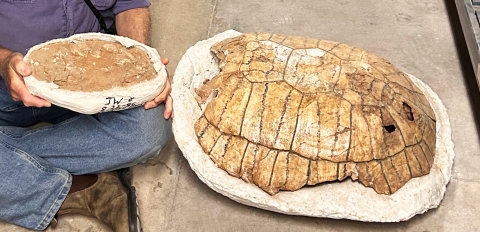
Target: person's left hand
164,96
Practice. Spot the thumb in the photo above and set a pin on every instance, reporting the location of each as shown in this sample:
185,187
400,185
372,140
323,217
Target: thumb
22,68
19,65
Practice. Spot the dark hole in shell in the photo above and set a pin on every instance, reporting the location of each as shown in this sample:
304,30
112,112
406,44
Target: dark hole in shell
407,110
390,128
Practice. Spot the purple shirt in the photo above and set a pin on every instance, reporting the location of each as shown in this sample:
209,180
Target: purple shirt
25,23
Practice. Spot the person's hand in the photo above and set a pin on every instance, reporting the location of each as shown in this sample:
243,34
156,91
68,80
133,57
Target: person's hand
164,96
13,70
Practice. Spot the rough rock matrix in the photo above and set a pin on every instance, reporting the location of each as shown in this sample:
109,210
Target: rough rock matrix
91,65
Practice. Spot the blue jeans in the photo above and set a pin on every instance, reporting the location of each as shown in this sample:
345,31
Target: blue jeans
36,164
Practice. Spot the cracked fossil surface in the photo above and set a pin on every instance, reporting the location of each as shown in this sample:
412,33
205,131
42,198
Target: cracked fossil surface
91,65
285,112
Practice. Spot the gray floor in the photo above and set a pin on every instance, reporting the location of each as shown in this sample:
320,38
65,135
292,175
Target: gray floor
414,35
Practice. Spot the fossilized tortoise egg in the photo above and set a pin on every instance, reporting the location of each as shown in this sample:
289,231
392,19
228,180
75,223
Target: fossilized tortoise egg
286,112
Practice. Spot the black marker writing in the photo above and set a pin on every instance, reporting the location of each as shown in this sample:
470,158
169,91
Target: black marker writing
115,104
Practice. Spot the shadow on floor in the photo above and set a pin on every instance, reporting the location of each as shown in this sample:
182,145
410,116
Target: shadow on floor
466,64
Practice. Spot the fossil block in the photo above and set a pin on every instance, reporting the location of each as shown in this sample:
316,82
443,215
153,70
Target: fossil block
94,73
367,120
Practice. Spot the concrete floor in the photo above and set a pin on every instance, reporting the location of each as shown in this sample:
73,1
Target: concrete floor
417,36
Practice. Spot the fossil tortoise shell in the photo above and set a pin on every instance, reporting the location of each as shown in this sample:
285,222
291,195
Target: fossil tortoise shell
287,111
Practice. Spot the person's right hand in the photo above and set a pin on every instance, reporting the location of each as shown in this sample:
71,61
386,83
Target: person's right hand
13,70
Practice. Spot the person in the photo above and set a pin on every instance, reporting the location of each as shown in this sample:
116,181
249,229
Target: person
67,166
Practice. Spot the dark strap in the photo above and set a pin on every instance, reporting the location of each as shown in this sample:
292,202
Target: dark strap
97,14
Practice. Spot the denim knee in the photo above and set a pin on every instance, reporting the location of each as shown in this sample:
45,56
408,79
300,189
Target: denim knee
150,134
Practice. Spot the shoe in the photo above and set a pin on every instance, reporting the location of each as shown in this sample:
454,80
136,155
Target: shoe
109,200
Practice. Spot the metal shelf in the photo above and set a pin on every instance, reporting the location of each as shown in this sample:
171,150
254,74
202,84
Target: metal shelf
469,14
